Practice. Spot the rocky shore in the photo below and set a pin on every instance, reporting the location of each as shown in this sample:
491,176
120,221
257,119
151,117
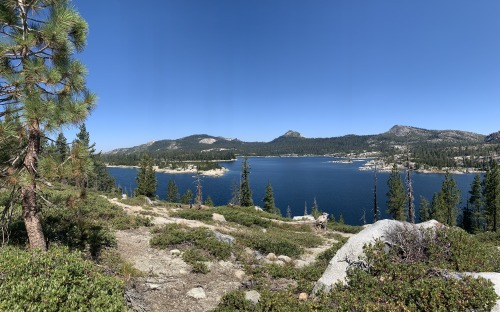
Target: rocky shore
190,169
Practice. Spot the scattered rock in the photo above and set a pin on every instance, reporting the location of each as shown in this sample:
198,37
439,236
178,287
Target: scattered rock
304,218
300,263
303,297
197,293
264,230
240,274
252,296
218,217
154,286
257,208
148,201
271,256
280,262
228,239
285,259
124,196
182,271
175,252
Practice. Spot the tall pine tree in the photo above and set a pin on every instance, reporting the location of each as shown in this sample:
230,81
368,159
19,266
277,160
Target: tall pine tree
43,84
476,205
269,199
447,200
245,191
492,196
396,197
172,192
146,178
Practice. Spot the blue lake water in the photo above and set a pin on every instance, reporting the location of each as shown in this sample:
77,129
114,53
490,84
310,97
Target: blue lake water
338,188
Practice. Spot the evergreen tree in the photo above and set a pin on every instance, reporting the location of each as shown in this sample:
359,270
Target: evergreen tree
424,210
448,199
492,196
269,199
476,205
198,198
209,202
42,83
396,195
187,198
62,148
245,192
172,192
466,221
341,219
235,191
146,179
376,212
315,209
409,191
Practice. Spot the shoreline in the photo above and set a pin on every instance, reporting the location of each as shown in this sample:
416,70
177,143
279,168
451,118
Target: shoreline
191,170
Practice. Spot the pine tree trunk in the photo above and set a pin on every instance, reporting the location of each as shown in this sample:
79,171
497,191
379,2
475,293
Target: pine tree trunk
28,193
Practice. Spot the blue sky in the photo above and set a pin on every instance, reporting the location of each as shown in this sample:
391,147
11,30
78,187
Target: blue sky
253,69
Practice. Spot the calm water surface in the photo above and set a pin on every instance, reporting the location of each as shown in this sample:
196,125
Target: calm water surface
296,181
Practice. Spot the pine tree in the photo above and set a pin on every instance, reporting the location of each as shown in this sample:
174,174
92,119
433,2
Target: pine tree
424,210
172,192
146,179
341,219
209,202
409,191
376,212
42,83
448,199
315,209
269,199
476,205
61,147
396,195
492,196
245,192
187,197
199,197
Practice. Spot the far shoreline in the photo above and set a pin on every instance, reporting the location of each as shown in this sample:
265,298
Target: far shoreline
192,170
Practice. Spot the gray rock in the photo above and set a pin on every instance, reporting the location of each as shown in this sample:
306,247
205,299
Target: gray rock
175,252
228,239
252,296
240,274
300,263
353,250
197,293
285,259
154,286
271,257
218,217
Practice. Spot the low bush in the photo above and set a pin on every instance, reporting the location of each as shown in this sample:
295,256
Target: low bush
200,244
193,214
58,280
344,228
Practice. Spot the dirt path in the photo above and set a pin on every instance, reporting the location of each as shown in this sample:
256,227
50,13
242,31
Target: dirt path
167,278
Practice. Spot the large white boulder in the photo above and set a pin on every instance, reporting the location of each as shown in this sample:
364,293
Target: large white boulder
353,250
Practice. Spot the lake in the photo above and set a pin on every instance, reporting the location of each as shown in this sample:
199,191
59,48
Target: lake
296,181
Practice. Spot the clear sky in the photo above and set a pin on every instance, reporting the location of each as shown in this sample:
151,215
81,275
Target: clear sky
253,69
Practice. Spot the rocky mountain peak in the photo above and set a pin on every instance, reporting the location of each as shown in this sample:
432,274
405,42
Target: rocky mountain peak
292,134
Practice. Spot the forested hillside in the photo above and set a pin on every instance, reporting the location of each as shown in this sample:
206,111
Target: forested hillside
427,148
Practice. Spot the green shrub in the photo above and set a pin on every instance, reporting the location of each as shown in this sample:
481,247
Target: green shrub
271,241
58,280
200,243
192,214
344,228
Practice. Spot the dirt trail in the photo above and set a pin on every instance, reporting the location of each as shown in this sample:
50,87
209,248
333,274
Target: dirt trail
167,278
